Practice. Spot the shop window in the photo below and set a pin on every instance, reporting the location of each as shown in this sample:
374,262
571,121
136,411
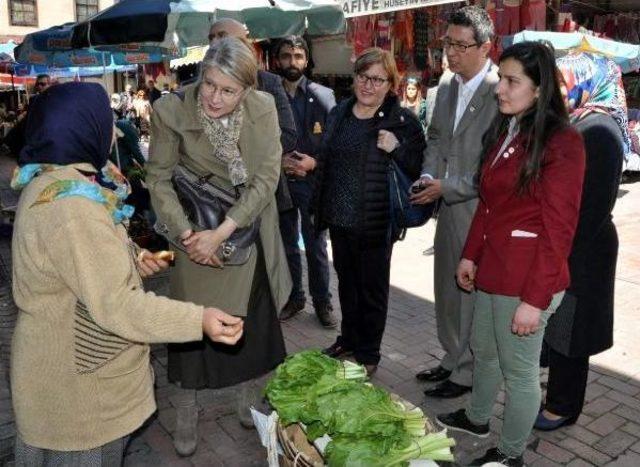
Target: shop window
23,12
86,8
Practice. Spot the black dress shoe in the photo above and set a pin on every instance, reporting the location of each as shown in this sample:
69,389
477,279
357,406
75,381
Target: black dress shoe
447,390
291,309
337,350
433,374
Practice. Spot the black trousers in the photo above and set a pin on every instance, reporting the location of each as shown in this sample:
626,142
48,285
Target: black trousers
567,384
363,288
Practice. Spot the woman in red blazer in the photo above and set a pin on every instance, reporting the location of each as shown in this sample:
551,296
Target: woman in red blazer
515,257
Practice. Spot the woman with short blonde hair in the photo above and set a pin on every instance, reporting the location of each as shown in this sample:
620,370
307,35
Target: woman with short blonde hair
222,129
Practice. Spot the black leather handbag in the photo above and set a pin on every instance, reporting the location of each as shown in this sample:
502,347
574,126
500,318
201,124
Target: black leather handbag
206,206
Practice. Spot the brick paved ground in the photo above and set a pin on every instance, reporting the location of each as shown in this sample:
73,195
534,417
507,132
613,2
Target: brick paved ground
608,432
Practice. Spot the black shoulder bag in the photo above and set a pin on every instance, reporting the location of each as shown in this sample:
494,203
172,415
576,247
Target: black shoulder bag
206,206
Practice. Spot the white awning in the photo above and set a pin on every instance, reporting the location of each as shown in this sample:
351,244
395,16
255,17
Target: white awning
194,55
352,8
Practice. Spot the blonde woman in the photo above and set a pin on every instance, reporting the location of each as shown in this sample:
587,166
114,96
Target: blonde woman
222,126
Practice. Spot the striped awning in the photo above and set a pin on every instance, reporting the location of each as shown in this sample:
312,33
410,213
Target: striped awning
194,55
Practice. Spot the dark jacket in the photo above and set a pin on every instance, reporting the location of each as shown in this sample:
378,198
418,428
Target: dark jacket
583,324
373,223
268,82
128,147
319,100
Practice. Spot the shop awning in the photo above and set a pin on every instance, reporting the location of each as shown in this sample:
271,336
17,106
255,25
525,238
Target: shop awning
194,55
352,8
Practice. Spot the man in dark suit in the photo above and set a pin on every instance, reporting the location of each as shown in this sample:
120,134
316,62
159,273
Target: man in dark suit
311,103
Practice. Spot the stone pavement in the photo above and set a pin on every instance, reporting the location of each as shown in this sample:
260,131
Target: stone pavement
608,432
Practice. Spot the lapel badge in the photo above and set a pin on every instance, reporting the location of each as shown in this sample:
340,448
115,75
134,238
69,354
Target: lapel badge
402,118
511,150
472,108
317,128
311,99
381,114
505,155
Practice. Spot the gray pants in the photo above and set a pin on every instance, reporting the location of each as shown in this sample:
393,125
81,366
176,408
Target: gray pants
501,355
108,455
454,306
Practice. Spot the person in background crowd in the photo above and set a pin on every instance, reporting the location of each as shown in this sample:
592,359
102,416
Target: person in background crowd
165,89
42,83
413,101
583,323
143,110
221,126
271,83
311,103
352,199
516,253
15,138
454,148
81,378
152,92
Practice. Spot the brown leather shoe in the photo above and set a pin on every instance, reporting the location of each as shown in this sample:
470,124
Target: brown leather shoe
325,315
337,350
291,309
371,369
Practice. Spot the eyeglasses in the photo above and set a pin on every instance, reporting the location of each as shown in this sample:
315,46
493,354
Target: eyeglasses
218,35
226,94
375,81
458,47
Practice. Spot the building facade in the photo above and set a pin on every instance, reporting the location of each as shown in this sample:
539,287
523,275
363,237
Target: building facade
20,17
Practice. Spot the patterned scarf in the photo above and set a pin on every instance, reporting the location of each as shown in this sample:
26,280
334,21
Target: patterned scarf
225,141
594,83
108,187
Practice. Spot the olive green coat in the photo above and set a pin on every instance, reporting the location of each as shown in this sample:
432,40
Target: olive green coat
177,136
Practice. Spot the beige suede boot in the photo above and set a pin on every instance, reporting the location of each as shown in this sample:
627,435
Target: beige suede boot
185,436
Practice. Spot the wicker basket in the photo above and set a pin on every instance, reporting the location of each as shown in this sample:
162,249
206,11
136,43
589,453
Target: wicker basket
299,452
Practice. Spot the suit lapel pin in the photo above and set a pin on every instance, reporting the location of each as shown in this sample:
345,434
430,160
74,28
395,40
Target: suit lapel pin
402,118
317,128
472,109
511,150
311,99
381,114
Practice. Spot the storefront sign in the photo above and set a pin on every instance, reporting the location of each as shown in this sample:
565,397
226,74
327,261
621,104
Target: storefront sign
352,8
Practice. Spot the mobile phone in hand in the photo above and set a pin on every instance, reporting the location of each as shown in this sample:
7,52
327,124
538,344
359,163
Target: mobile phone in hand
417,188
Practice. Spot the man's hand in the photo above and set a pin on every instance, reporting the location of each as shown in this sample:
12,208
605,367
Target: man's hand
221,327
431,192
298,164
526,321
148,265
466,274
387,141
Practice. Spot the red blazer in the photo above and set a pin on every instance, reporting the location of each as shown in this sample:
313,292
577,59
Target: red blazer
521,243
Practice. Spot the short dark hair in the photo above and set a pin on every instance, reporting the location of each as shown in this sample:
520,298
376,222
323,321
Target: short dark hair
295,42
43,76
475,18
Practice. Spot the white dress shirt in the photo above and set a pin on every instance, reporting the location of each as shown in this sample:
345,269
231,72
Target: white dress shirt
467,90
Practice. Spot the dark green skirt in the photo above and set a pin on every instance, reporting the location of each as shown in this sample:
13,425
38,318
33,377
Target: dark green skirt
206,364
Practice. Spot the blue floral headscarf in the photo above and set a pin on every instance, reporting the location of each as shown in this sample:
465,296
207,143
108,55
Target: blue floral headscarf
594,83
67,124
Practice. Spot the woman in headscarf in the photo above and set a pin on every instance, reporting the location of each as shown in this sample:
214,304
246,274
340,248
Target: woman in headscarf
81,378
583,324
223,128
